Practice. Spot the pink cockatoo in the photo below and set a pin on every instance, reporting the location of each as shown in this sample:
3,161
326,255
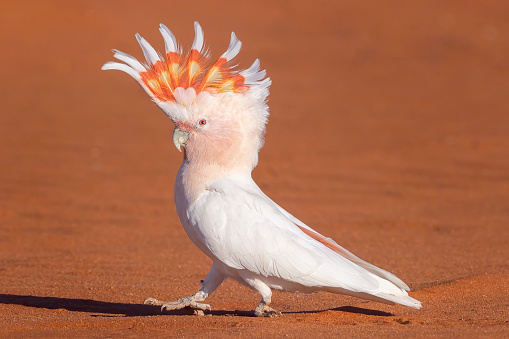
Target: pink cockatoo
220,116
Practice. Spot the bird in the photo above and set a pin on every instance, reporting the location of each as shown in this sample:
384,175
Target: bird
220,116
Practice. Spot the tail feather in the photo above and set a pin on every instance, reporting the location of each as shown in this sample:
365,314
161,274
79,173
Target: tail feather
384,298
392,289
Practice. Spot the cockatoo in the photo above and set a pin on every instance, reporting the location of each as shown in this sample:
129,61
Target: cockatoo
220,116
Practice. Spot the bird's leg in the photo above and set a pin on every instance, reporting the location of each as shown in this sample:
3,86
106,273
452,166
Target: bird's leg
192,303
263,309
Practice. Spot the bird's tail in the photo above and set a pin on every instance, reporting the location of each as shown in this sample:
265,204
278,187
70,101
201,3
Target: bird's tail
387,297
390,292
402,300
390,289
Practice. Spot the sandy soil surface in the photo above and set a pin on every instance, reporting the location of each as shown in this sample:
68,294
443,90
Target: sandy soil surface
389,132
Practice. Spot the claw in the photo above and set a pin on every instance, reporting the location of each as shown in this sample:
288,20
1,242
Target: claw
185,303
150,301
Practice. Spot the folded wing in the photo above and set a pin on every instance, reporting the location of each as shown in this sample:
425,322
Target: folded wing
246,230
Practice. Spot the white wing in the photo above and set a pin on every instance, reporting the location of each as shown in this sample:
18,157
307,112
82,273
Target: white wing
245,230
344,252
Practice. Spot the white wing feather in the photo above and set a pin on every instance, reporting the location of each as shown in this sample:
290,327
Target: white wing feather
347,254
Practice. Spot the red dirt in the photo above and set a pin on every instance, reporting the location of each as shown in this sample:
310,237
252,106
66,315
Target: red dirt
389,132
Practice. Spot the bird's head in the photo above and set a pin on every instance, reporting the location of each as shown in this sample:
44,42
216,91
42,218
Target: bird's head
219,113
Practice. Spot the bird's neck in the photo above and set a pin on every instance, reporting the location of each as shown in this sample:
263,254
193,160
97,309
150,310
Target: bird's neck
195,178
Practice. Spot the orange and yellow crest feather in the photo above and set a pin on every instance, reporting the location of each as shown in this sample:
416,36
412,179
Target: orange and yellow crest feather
161,76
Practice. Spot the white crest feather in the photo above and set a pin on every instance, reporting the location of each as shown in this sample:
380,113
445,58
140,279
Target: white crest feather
185,97
131,61
121,67
253,73
233,48
149,51
170,43
198,37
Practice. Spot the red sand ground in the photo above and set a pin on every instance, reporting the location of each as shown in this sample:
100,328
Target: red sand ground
389,132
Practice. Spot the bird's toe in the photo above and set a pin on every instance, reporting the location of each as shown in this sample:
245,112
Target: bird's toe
267,312
152,301
200,306
191,306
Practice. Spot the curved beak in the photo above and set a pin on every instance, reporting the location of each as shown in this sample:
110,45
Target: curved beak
180,138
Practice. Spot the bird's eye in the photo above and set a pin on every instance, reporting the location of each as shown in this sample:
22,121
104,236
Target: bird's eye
202,122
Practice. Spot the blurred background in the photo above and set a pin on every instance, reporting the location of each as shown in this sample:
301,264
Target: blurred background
389,132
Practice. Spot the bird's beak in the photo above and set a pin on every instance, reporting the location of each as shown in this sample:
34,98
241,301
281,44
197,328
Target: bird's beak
180,138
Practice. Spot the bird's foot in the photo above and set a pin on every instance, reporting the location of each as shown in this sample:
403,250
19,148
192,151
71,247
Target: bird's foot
188,303
264,310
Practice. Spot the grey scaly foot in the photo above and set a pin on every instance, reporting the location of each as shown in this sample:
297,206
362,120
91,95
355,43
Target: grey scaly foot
264,310
188,303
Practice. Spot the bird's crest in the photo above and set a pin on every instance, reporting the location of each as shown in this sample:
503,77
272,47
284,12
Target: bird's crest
167,78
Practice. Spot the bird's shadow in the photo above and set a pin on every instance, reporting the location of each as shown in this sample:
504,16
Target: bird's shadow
99,308
360,310
111,309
